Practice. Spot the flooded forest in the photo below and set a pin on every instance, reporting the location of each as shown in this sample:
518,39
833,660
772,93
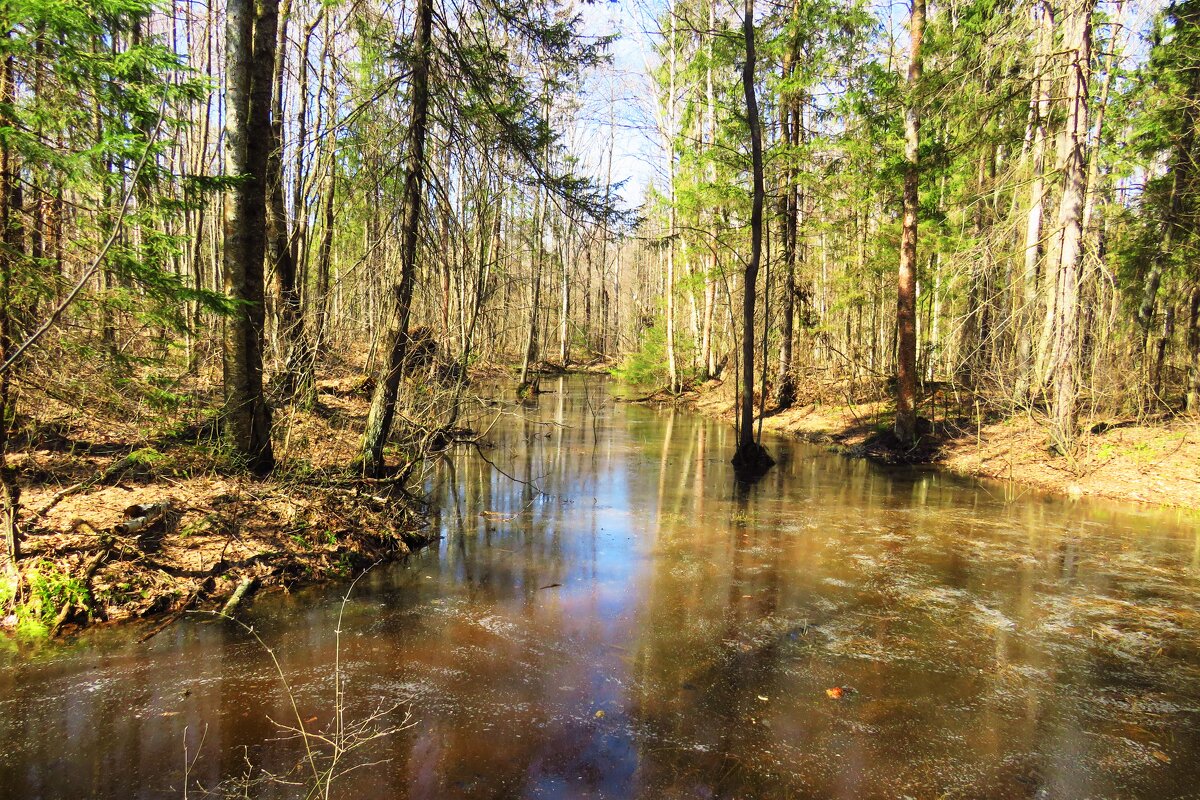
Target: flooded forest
601,399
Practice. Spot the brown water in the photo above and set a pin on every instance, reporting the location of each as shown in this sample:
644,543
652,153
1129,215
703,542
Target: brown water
997,646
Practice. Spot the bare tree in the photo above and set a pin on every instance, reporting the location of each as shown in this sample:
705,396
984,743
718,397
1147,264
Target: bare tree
387,385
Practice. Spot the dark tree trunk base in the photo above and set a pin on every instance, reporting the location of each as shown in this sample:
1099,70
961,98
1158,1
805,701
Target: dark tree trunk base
786,396
528,389
751,462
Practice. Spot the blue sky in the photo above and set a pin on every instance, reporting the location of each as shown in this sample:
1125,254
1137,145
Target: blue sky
621,99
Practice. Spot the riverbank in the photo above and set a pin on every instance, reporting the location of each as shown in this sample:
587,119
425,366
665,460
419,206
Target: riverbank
1117,459
117,529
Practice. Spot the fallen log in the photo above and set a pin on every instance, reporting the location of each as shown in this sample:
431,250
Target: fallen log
246,587
87,606
149,521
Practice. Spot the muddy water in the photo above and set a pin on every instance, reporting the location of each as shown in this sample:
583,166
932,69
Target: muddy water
606,616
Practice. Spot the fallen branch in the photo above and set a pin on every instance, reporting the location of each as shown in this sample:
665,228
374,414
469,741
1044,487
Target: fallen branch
244,588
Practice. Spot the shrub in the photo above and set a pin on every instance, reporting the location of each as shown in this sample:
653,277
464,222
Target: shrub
647,366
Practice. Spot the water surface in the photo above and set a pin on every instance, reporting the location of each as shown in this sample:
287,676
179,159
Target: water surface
606,615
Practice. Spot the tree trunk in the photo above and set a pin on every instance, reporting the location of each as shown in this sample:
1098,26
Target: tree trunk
1192,400
9,249
906,286
247,134
320,303
387,384
489,261
605,300
318,307
299,239
1160,355
708,365
751,459
1027,312
672,366
535,297
1070,219
296,380
564,310
974,333
789,208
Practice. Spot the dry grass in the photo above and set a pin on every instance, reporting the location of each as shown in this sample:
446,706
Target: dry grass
1156,463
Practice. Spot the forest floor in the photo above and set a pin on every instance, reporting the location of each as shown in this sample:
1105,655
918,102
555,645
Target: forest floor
1157,462
121,525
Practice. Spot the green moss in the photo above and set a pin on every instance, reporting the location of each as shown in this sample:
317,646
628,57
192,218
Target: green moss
31,628
145,457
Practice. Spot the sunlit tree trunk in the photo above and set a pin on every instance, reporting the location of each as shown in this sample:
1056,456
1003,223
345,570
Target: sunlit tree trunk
789,207
672,366
530,351
296,380
607,299
1027,312
247,134
564,309
708,359
299,239
489,260
1065,363
196,221
324,276
906,304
